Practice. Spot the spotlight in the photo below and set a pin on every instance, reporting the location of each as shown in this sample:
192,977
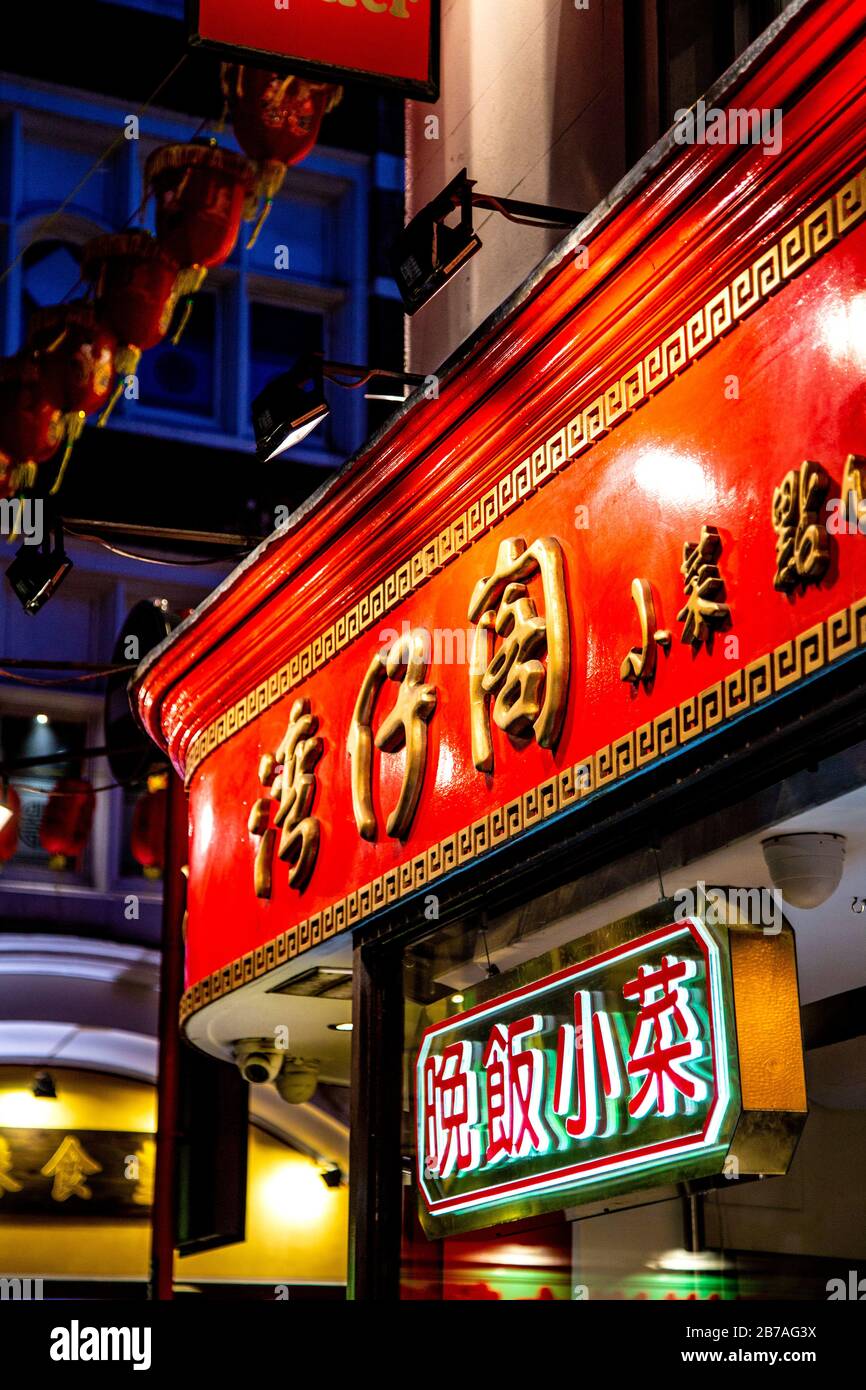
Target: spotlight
428,252
294,403
340,1027
287,410
43,1086
36,572
42,719
332,1175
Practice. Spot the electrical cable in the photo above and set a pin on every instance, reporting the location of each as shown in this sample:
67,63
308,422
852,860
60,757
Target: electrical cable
152,559
62,680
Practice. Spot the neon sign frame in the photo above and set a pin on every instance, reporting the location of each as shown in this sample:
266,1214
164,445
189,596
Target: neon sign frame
560,1175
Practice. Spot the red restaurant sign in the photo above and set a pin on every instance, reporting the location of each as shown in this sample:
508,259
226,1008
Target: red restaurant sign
393,42
631,518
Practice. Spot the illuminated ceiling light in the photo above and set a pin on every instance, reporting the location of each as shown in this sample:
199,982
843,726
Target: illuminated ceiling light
42,719
691,1261
340,1027
37,572
43,1086
428,252
294,403
457,999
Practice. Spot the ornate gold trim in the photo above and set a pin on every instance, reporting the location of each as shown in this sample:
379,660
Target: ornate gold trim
750,287
837,636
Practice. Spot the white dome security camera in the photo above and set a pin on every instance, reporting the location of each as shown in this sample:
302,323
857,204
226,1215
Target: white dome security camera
806,868
258,1060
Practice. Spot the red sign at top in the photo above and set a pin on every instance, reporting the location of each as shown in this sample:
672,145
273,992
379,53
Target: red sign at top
394,42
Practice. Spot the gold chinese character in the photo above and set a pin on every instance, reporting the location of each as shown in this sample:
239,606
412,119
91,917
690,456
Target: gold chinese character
704,611
529,699
802,544
406,726
7,1182
640,662
289,776
69,1166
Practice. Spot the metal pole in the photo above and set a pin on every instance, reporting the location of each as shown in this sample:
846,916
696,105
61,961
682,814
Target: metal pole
170,990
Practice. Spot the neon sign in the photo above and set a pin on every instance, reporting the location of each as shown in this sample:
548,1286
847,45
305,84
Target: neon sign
618,1071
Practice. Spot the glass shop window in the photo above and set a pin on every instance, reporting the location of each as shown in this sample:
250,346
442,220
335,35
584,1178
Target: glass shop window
31,737
50,273
183,378
698,42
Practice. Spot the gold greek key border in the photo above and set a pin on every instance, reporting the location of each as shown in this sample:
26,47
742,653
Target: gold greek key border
837,636
749,288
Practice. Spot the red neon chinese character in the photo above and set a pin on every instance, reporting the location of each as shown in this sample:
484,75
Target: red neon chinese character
665,1038
587,1048
451,1111
515,1082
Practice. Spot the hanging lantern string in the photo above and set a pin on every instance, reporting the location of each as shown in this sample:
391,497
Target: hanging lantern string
117,143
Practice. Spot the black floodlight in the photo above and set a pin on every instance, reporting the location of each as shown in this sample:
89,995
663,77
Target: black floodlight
290,407
429,252
294,403
38,571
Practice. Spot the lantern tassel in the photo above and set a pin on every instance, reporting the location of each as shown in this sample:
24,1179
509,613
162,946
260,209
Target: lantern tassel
112,402
262,219
188,283
270,181
74,422
126,360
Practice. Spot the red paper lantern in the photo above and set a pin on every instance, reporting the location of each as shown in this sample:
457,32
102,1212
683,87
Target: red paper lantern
10,827
66,820
276,120
75,355
147,838
31,428
135,285
201,192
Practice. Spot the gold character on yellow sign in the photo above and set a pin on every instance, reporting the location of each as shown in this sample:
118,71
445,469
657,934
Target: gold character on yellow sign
289,775
405,660
7,1182
527,697
704,611
69,1166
